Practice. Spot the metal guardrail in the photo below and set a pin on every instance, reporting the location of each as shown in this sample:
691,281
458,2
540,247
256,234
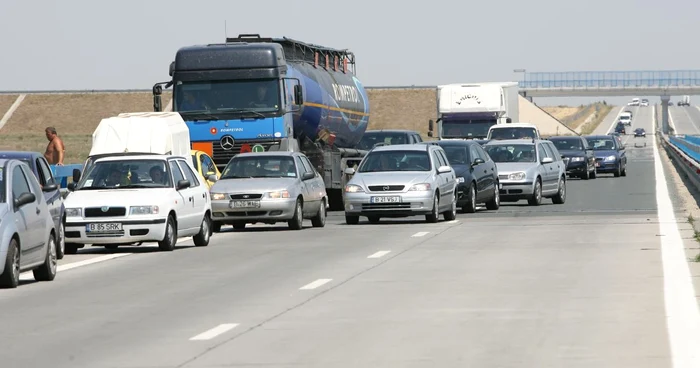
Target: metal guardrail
689,165
612,79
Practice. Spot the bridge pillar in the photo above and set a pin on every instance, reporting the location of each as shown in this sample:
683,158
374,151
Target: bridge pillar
664,113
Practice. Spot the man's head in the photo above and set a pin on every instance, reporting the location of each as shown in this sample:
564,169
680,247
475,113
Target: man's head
50,133
156,174
114,177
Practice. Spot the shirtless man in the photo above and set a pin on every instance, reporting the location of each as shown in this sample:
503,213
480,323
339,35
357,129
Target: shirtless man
55,149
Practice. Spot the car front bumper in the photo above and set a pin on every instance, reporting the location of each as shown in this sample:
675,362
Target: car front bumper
516,189
269,210
132,231
607,166
576,167
410,204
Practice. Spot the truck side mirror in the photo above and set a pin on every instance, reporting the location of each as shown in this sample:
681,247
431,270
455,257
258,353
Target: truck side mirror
430,126
172,69
298,95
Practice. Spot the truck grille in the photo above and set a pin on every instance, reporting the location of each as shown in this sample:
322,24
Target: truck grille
111,212
221,156
385,188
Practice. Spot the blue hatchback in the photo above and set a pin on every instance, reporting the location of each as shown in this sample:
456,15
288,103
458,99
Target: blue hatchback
609,153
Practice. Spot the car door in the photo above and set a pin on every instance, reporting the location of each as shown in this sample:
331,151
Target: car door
184,206
491,175
550,174
443,179
479,172
29,218
198,191
560,166
317,184
307,186
53,198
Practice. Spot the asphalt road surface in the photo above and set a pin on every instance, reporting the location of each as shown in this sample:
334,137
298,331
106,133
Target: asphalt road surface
575,285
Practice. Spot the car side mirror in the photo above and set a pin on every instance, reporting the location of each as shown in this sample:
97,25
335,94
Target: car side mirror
478,161
622,148
547,160
349,171
76,175
71,186
212,177
444,169
182,184
24,198
49,187
298,95
307,176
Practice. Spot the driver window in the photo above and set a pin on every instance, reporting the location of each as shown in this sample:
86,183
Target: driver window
207,164
19,183
177,174
474,153
544,152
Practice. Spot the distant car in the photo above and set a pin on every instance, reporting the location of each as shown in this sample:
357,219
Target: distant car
628,113
644,102
27,230
640,132
477,175
610,154
620,128
269,187
578,156
400,181
529,170
50,189
634,102
387,137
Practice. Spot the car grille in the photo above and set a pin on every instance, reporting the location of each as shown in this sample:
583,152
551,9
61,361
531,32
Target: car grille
385,188
221,156
386,206
503,176
111,212
245,196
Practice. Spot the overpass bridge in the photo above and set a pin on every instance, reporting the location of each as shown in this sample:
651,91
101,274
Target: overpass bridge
662,83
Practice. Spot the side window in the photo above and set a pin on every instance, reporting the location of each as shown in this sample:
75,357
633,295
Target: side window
33,183
177,174
474,153
436,158
19,183
207,164
418,138
483,153
308,164
555,152
444,159
189,174
45,172
543,152
302,166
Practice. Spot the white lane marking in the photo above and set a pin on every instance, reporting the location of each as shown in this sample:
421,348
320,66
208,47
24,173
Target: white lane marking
315,284
682,314
614,122
418,235
379,254
214,332
65,267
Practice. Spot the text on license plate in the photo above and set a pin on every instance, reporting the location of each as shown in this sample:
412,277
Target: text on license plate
392,199
103,227
244,204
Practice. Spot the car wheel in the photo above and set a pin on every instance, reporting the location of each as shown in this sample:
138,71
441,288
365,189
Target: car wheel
216,226
170,238
47,270
202,238
10,277
61,244
587,175
433,216
536,197
624,171
594,174
452,213
297,221
560,198
470,207
494,203
320,219
618,172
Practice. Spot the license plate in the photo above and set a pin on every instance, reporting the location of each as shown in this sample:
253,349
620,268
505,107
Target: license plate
395,199
103,227
244,204
597,164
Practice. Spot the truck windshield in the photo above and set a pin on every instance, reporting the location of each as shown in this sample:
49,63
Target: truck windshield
229,96
126,174
370,139
381,161
466,128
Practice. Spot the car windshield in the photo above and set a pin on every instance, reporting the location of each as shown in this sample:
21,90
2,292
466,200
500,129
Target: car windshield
370,139
568,144
380,161
513,133
601,144
456,155
242,167
114,174
512,152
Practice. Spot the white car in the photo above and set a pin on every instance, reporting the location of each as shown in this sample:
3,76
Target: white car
634,102
123,200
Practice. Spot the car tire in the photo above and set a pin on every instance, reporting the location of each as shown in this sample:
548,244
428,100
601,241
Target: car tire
536,197
495,203
47,270
587,175
452,213
9,279
170,237
433,216
618,172
320,219
470,207
624,171
216,226
352,220
560,198
594,174
202,237
61,244
298,219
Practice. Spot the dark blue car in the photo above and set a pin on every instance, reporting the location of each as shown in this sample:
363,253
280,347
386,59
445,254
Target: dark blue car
477,175
50,188
609,153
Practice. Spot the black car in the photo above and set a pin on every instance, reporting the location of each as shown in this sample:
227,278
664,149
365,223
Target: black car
578,156
477,175
640,132
620,128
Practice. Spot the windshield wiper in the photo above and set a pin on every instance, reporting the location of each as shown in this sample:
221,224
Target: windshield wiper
204,113
236,177
236,110
137,186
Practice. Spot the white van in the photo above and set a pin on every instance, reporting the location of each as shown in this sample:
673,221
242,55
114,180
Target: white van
513,131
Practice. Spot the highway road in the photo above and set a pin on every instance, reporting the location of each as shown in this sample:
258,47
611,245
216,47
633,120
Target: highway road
582,284
685,119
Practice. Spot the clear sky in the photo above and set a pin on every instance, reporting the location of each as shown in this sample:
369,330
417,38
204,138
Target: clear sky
88,44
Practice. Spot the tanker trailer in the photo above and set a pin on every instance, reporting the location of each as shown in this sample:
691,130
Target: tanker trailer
268,94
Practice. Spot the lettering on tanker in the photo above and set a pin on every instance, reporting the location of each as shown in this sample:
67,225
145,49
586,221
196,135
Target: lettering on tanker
345,93
468,97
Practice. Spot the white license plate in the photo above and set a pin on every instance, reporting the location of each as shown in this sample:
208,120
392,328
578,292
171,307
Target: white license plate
393,199
244,204
103,227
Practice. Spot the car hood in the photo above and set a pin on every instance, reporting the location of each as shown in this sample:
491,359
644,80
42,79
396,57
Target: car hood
252,185
116,197
406,178
571,153
510,167
605,153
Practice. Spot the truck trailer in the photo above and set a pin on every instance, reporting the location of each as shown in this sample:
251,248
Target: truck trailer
467,111
270,94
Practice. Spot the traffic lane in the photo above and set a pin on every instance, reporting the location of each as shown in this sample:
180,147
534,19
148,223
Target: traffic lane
148,306
608,123
643,117
682,120
575,291
694,116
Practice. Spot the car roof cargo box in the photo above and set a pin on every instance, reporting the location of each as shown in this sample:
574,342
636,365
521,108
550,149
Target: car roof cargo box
142,132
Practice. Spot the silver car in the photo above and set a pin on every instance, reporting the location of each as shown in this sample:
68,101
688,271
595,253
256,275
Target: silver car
269,187
27,230
399,181
529,169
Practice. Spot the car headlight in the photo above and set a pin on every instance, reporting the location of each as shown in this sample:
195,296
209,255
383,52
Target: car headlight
218,196
576,159
277,194
420,187
610,158
352,188
460,180
74,212
517,176
143,210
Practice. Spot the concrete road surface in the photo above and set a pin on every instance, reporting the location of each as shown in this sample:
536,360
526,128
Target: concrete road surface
685,119
583,284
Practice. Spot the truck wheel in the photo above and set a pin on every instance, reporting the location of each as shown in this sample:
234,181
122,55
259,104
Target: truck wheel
352,220
296,223
170,238
320,219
